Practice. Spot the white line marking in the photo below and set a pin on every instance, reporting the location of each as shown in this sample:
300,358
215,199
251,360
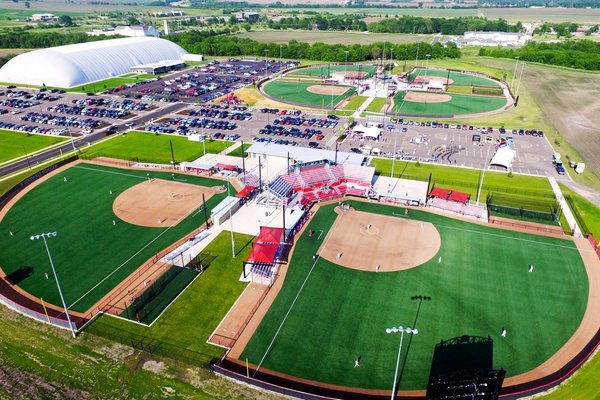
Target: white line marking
111,172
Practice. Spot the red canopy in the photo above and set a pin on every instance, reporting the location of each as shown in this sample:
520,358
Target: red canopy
227,167
270,235
245,192
459,197
440,193
263,253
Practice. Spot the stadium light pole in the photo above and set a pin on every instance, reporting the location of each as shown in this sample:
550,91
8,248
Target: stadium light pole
62,299
514,72
346,64
402,331
427,56
230,223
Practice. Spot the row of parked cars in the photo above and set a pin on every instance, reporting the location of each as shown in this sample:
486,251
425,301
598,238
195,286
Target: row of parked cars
238,115
127,104
32,128
202,123
278,130
61,120
276,141
464,127
90,111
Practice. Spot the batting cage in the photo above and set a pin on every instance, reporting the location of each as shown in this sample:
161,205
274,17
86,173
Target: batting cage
541,210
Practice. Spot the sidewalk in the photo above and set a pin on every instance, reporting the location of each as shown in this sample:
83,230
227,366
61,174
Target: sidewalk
565,207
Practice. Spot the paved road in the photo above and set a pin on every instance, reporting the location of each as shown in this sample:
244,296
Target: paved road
84,141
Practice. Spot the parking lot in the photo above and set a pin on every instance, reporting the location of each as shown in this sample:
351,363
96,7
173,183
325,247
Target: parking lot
202,83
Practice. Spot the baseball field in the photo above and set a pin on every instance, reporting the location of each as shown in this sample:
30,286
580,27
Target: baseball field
311,93
467,279
444,103
326,70
109,221
456,78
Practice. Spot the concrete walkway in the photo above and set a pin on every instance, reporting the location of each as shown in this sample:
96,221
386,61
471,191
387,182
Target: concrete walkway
565,207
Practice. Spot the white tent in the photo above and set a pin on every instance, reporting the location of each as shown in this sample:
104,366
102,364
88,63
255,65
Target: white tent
503,157
367,131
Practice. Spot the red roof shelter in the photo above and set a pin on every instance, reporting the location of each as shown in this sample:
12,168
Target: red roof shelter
270,235
450,195
263,253
226,167
245,192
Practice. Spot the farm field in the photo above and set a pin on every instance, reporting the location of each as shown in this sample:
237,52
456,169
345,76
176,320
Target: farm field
361,304
150,147
284,36
18,144
90,253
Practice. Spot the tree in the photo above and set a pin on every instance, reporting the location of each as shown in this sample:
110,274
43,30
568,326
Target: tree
27,5
132,20
66,20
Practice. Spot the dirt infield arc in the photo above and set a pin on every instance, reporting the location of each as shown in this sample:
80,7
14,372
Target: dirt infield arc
159,203
362,242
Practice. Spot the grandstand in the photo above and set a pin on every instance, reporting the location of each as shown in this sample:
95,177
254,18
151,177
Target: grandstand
317,181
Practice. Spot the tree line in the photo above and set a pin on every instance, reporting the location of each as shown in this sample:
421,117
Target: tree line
580,54
20,39
321,22
219,45
450,26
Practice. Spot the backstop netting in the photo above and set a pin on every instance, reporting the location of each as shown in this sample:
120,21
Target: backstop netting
544,210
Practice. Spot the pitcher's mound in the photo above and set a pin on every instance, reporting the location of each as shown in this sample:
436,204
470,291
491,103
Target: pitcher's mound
327,89
379,243
426,97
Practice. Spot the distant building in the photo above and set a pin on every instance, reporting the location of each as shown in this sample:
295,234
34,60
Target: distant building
44,18
128,31
503,39
245,16
169,14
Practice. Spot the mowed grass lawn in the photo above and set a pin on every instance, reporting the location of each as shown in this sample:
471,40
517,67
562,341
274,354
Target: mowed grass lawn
150,147
459,104
18,144
110,83
481,285
355,102
91,255
457,77
195,314
465,179
376,105
297,92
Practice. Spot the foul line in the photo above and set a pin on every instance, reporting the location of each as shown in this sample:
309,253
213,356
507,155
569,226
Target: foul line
285,318
111,172
120,266
506,237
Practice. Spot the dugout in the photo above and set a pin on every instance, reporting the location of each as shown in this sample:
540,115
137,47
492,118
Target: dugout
260,265
197,168
221,212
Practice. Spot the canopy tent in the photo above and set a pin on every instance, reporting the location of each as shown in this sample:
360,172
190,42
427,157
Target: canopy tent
459,197
245,192
367,131
440,193
226,167
263,253
503,157
270,234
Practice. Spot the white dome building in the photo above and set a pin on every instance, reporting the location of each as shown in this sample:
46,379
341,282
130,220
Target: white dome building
78,64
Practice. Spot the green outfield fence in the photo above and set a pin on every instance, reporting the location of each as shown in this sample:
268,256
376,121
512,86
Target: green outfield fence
580,221
513,210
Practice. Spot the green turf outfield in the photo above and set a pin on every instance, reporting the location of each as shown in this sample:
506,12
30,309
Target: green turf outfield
326,70
18,144
150,147
297,93
482,284
460,104
458,78
91,255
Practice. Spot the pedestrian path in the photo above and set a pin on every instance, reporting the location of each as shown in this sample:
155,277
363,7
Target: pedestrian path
565,207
